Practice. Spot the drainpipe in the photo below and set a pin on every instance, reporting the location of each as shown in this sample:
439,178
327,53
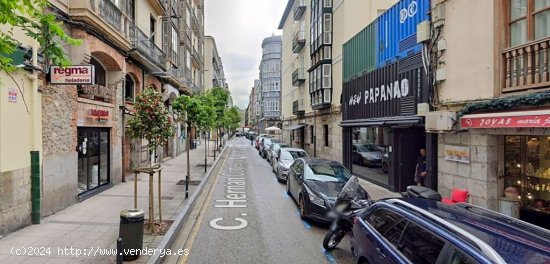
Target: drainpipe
123,140
36,198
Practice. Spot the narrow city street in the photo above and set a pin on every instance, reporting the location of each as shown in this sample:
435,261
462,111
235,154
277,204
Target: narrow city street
249,218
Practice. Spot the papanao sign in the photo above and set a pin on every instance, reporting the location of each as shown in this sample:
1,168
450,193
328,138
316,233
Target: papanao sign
78,74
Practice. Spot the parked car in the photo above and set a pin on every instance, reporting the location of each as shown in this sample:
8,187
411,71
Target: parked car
272,153
265,144
284,158
412,230
314,184
385,163
259,140
367,155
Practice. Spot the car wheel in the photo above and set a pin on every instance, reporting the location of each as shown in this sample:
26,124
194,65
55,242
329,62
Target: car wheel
288,187
278,175
302,206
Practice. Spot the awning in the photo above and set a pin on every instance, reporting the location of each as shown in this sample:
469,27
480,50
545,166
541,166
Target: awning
540,118
294,127
393,121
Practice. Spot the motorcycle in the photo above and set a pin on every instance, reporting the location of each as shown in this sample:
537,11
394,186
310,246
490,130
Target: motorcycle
348,204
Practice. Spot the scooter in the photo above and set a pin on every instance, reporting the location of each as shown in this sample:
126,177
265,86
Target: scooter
346,207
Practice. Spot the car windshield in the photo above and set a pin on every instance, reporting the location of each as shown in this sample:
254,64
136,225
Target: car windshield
366,148
293,154
326,173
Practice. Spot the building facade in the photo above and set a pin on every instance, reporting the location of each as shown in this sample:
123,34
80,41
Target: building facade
79,129
270,81
494,83
214,73
258,108
313,35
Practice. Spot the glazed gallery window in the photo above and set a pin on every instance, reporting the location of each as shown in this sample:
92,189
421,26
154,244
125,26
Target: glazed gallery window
527,171
528,20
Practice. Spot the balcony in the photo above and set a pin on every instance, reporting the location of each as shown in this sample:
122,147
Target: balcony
148,53
298,108
197,56
527,66
299,9
298,77
298,41
110,20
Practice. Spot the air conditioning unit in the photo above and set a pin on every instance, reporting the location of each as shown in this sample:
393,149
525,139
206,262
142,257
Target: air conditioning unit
440,120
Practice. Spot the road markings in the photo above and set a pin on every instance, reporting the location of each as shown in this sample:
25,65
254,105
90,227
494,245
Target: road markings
196,227
329,256
306,224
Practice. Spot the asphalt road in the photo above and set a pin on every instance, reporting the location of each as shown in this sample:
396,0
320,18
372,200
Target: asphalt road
251,219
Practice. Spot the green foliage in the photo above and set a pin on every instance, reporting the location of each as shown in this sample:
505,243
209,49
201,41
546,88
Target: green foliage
199,109
151,120
31,17
506,103
232,118
220,98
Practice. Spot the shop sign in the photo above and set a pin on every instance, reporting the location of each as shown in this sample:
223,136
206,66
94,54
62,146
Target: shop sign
385,92
99,113
12,95
457,153
80,74
542,120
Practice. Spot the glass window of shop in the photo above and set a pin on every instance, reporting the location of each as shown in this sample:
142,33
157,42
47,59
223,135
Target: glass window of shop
527,171
370,153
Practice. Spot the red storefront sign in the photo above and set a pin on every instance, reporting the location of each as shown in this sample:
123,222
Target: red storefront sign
505,121
99,113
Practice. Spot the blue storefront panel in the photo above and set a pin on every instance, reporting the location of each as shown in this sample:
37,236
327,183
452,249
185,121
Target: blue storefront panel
397,30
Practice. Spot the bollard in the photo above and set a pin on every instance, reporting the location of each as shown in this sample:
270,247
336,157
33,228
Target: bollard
119,251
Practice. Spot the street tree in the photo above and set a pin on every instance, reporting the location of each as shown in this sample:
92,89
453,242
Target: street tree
220,98
151,122
232,119
32,17
199,112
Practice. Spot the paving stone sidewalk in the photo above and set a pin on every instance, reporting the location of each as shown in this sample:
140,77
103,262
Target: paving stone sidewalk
92,226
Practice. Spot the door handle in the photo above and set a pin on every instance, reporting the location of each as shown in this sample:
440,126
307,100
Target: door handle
381,253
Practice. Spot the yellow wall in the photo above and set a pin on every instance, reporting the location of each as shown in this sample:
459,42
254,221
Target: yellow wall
144,11
469,55
20,132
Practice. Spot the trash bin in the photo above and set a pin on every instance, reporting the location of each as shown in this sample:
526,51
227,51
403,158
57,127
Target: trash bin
131,232
414,191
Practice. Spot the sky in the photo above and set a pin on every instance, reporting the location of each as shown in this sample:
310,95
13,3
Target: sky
239,26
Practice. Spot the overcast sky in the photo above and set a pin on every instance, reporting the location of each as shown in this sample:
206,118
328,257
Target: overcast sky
239,26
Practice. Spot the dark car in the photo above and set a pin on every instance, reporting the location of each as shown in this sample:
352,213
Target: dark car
314,184
413,230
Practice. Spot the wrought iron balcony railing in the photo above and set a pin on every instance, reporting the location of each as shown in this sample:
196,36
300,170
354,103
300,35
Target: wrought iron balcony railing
298,41
299,9
147,47
298,76
298,107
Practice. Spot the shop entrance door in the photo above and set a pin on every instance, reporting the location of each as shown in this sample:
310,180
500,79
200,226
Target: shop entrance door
409,142
93,158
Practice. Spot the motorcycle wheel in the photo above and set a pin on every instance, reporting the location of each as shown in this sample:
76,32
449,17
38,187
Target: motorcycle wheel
332,239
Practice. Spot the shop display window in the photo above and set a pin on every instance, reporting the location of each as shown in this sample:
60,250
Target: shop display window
527,171
369,153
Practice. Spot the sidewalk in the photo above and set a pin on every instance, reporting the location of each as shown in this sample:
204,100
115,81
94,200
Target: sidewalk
376,192
93,225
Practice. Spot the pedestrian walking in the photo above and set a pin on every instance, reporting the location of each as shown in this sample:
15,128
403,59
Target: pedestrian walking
420,171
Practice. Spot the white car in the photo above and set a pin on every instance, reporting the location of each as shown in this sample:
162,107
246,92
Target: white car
285,158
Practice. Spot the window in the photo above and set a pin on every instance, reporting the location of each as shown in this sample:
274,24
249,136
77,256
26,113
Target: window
327,75
325,128
132,9
528,20
382,220
458,257
175,40
419,245
100,75
152,28
129,88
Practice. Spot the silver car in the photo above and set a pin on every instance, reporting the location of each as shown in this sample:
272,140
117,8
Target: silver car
285,158
272,153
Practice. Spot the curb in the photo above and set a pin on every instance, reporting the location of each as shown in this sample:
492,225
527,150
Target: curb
169,237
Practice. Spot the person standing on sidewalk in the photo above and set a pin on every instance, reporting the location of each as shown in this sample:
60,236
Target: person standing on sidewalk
420,172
